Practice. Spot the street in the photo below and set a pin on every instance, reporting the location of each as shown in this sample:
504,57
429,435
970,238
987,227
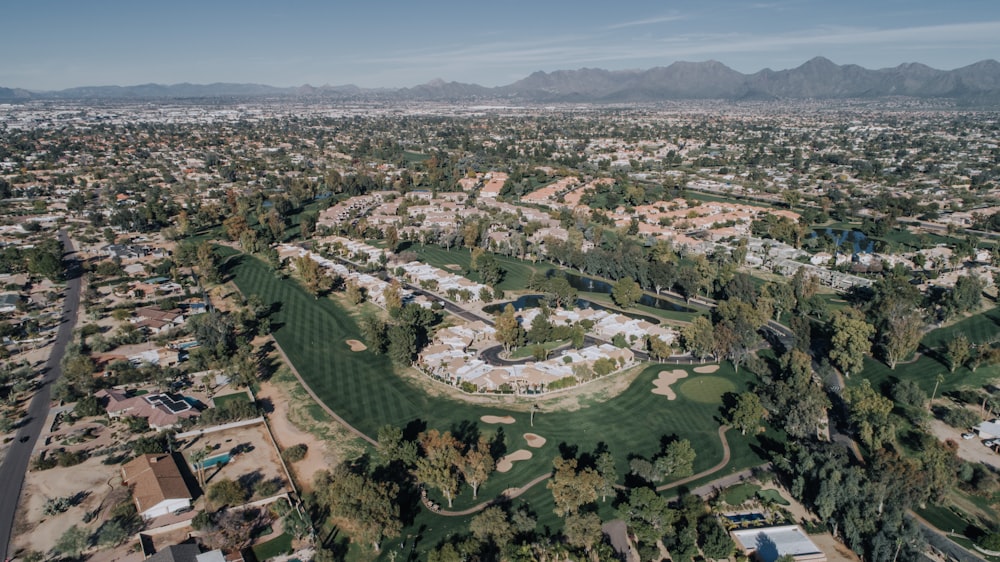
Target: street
15,465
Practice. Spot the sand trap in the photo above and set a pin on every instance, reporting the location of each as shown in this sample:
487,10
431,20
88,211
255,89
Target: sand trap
453,266
497,419
534,440
662,383
356,345
706,369
507,463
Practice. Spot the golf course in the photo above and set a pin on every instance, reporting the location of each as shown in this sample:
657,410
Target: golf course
367,391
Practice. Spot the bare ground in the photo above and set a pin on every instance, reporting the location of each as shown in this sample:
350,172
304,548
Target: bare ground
328,442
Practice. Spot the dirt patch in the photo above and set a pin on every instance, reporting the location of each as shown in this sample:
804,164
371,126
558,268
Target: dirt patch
706,369
662,383
355,345
287,434
534,440
497,419
453,266
969,449
35,531
507,462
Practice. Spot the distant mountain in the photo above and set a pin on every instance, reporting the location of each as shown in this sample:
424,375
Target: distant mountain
818,78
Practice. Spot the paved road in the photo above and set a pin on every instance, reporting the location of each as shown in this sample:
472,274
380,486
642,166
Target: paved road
15,464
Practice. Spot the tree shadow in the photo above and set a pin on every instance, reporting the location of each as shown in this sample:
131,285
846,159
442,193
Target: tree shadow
467,432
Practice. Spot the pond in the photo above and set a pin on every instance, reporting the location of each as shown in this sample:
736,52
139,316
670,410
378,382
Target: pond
590,285
860,244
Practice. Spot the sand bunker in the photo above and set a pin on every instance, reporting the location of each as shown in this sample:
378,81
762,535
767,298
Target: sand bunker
497,419
534,440
356,345
507,463
706,369
662,383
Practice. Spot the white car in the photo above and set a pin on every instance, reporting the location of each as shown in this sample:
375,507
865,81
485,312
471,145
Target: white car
968,435
988,442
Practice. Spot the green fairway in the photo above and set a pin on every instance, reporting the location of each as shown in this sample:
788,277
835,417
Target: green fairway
706,389
364,389
517,271
978,329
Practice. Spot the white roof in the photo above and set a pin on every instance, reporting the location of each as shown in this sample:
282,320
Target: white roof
771,543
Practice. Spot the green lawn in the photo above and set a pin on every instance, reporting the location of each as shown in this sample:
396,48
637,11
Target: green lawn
236,397
364,389
979,328
773,495
526,351
740,493
282,544
517,271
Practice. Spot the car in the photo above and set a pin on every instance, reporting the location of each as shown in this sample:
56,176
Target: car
988,442
968,435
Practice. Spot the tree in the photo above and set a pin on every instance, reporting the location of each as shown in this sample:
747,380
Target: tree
851,340
957,351
540,330
73,542
699,337
901,336
571,488
402,343
476,465
658,349
375,331
437,467
208,262
713,539
491,524
609,475
393,296
677,460
747,413
869,414
227,492
313,276
367,506
582,530
626,292
508,331
647,515
354,292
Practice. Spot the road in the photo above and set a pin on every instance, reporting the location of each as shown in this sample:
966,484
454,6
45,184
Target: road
15,464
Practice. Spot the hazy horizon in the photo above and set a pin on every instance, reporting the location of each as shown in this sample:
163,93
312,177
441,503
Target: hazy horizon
61,44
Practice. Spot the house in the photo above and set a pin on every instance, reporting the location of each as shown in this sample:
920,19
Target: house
988,430
8,302
189,552
157,485
767,544
161,410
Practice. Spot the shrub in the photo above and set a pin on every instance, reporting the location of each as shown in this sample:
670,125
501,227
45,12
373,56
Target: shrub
961,418
295,453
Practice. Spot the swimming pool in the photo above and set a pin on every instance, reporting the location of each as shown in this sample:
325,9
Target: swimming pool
745,517
212,461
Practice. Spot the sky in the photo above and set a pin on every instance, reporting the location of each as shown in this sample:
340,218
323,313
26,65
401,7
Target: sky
55,44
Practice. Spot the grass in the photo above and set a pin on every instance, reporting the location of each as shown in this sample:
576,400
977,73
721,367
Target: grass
526,351
282,544
740,493
978,329
706,389
518,272
773,495
365,390
228,398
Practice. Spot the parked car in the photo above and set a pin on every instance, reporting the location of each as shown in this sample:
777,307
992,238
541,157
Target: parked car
988,442
968,435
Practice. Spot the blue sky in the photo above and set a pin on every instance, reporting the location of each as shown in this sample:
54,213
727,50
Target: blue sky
52,44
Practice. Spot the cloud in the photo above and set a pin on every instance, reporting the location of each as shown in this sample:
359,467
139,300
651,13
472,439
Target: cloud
648,21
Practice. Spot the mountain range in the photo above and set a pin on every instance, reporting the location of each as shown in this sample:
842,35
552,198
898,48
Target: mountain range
818,78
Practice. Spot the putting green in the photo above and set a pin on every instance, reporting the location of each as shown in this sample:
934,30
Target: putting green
706,389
